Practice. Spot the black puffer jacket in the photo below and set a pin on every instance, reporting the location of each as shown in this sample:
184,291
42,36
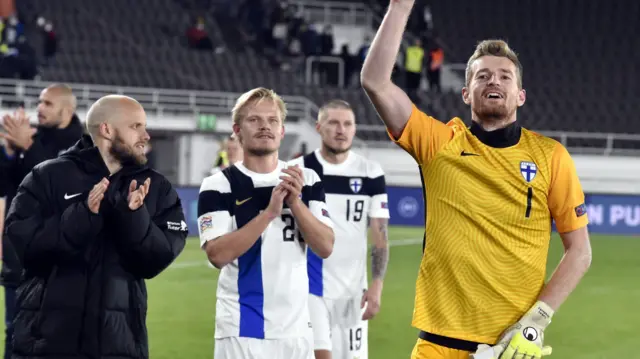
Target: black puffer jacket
48,143
83,293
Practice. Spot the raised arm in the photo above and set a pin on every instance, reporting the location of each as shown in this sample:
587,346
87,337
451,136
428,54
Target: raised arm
390,101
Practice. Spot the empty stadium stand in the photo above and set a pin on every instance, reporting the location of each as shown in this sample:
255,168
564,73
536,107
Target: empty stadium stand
109,43
580,65
580,61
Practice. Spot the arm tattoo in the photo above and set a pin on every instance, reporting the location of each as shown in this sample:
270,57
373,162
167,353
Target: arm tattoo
380,255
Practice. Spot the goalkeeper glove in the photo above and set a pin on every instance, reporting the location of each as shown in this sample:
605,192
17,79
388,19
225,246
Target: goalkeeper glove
523,339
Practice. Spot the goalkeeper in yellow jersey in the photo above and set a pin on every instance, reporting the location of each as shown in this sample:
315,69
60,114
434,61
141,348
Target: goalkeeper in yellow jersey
491,190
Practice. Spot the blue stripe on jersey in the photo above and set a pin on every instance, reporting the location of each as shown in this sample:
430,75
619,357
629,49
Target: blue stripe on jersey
314,271
250,286
314,263
251,292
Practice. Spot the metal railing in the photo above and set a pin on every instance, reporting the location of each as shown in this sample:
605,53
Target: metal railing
154,100
334,12
587,143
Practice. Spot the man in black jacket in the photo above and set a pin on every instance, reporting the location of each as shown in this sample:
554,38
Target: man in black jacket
21,148
89,227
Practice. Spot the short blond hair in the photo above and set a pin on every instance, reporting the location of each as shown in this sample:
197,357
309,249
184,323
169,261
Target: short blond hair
333,104
257,95
498,48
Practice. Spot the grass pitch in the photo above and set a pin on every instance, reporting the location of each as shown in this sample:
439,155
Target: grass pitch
598,321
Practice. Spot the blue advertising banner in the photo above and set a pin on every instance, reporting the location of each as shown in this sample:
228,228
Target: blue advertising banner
613,214
406,206
608,214
189,198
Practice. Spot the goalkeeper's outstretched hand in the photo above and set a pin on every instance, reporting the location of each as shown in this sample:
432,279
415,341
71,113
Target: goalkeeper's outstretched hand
523,339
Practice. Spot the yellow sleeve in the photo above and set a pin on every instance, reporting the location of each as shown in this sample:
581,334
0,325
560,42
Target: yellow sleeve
423,136
566,199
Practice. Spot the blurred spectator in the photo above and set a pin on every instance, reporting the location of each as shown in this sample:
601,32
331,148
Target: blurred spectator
295,19
309,40
25,147
230,152
49,41
328,70
18,61
349,64
279,30
198,37
413,66
326,41
303,151
13,30
436,59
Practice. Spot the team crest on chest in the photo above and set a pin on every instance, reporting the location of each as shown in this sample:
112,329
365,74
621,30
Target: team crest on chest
528,170
355,184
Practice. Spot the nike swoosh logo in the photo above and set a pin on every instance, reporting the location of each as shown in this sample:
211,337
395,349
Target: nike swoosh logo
468,154
240,203
67,196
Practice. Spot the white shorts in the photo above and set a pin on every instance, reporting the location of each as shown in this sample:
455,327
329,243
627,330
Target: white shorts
251,348
345,339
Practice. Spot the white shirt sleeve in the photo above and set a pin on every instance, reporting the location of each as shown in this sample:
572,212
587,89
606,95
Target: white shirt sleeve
316,197
379,204
214,208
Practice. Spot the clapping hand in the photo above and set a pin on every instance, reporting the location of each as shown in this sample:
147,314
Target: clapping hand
274,209
292,181
137,194
96,195
19,131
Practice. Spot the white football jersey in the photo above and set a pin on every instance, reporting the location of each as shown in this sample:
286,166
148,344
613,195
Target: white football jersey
355,191
263,294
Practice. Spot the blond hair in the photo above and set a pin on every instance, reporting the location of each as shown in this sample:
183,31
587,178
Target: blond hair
497,48
257,95
333,104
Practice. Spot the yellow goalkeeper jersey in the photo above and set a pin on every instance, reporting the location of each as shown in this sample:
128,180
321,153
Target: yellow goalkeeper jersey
488,222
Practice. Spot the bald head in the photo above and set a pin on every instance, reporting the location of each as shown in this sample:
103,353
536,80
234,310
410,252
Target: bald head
65,93
111,109
56,106
118,126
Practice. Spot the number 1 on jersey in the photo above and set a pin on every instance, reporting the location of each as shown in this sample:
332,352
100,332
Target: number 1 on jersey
529,198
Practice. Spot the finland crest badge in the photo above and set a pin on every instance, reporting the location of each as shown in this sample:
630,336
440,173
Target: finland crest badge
528,170
355,184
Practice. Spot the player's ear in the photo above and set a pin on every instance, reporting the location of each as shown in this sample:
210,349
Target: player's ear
522,97
282,132
465,95
236,128
318,126
105,130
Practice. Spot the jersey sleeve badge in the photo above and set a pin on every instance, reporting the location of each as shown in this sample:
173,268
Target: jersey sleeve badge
206,223
581,210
